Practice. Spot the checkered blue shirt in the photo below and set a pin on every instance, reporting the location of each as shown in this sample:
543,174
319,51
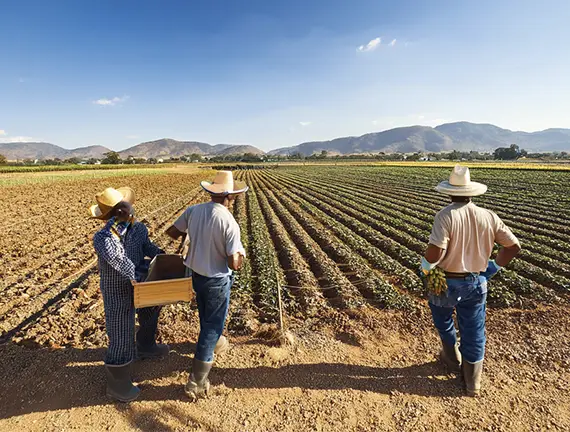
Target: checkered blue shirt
119,257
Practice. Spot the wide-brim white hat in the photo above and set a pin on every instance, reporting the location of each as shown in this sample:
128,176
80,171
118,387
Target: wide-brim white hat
224,184
108,199
460,184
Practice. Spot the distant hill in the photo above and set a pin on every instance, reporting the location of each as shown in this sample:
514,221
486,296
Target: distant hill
95,152
168,148
462,136
41,150
163,148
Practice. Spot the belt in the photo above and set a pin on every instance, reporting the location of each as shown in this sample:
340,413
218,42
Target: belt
451,275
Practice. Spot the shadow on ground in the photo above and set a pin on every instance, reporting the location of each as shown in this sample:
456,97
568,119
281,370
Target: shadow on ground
41,380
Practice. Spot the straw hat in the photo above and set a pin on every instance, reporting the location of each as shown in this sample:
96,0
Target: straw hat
224,184
460,184
108,199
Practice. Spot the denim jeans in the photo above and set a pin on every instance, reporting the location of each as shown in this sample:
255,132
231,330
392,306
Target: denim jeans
213,299
467,297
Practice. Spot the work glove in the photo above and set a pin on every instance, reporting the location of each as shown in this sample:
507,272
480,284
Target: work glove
425,267
492,269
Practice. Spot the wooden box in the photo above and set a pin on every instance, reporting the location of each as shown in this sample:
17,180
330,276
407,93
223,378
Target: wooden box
166,283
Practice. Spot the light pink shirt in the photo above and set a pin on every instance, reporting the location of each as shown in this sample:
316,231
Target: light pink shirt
468,234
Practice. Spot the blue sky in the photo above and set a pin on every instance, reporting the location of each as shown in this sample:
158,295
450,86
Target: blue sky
276,73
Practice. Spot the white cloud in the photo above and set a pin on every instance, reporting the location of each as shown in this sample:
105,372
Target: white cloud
110,102
370,46
393,42
2,132
305,123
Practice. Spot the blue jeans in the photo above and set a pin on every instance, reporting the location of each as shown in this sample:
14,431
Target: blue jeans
467,297
213,299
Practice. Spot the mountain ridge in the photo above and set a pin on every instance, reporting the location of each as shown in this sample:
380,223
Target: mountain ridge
462,136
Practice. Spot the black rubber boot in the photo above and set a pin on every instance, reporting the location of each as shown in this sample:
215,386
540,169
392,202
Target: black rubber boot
198,385
119,384
472,373
153,352
451,356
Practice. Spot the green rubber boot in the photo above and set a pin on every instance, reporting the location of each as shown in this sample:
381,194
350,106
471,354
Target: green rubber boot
472,373
451,356
119,384
198,384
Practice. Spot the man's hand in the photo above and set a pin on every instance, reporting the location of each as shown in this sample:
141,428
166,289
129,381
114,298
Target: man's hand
235,261
492,269
174,232
133,282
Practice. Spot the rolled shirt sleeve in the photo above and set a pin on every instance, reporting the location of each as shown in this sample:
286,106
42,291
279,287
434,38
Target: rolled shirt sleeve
440,231
181,224
233,240
503,234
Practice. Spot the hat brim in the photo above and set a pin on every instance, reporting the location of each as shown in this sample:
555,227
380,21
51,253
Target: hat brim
96,212
470,190
220,189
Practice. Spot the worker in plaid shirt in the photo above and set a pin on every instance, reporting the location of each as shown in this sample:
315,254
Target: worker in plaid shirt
121,247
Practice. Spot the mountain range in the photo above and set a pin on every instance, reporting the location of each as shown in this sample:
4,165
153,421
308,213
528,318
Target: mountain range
461,136
162,148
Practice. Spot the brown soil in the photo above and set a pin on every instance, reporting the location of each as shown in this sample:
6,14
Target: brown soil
379,372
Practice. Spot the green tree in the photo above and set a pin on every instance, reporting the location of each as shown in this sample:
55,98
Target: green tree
3,160
72,161
509,153
111,158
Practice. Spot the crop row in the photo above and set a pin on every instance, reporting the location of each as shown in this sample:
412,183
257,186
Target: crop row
393,229
499,197
371,284
300,279
265,266
339,290
532,254
532,225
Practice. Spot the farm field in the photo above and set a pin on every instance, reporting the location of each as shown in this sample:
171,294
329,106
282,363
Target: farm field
343,242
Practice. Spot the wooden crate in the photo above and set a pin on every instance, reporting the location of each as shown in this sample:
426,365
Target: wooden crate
166,283
159,293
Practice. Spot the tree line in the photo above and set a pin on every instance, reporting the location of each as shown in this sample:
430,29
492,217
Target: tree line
513,152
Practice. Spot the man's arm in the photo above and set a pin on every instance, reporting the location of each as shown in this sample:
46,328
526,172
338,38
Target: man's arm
510,247
434,254
234,247
180,225
506,254
438,240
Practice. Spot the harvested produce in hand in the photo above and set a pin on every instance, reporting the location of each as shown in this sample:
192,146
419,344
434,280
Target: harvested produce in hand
436,282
